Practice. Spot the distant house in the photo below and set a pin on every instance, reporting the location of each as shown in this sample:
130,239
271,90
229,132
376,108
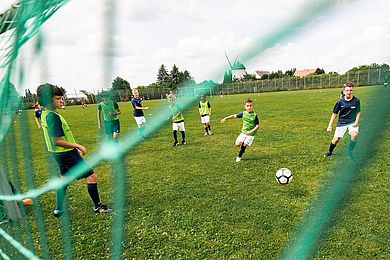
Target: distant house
260,73
304,73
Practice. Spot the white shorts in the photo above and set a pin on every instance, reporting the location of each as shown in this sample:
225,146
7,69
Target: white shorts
140,120
205,119
246,139
178,126
340,130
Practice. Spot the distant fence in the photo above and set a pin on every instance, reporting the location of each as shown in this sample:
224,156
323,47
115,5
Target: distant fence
359,78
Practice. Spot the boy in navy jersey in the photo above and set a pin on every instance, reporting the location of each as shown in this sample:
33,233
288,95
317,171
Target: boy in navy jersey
138,112
348,110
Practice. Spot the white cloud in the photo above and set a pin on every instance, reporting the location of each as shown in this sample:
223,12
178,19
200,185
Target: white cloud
195,34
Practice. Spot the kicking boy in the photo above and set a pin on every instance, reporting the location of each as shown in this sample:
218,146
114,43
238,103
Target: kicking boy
250,124
348,109
138,112
205,114
62,146
109,110
177,119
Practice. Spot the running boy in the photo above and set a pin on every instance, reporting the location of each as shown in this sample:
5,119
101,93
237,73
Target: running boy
109,110
205,114
138,112
37,114
348,110
178,120
250,124
62,146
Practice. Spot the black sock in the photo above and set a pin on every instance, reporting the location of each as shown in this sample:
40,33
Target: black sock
331,147
60,198
13,189
94,193
175,135
351,146
183,136
209,127
242,151
206,129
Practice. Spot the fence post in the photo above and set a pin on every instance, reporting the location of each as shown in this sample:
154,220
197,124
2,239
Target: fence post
368,76
379,76
358,77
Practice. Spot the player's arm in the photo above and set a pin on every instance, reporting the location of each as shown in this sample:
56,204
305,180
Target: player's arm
58,141
56,132
141,108
356,120
332,118
174,116
228,117
117,110
255,128
99,119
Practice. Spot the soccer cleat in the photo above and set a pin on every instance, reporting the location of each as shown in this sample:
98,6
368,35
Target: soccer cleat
210,133
183,142
102,209
58,213
205,134
238,159
327,154
175,144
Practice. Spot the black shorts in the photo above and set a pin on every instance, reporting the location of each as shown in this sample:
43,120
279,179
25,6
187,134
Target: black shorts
67,160
112,126
38,114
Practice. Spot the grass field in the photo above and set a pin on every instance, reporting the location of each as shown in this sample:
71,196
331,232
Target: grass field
195,201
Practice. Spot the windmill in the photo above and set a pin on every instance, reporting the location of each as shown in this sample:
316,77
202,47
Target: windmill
235,72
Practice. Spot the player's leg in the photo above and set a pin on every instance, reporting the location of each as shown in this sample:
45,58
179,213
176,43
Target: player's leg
183,133
338,135
353,132
93,192
174,132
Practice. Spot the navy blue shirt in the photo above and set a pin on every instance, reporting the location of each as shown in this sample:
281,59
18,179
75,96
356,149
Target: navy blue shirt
137,102
347,110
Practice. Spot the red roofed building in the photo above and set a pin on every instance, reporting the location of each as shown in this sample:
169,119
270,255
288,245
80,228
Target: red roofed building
260,73
304,73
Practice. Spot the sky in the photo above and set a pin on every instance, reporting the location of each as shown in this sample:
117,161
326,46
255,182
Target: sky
195,34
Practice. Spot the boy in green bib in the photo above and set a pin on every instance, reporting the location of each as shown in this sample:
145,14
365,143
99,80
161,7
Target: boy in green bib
250,124
63,147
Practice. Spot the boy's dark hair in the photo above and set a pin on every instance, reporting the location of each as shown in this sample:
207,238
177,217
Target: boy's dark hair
248,100
46,92
348,84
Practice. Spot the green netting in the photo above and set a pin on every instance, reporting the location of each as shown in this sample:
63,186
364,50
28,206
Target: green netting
19,24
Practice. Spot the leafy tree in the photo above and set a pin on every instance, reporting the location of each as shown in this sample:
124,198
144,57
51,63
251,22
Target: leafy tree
276,75
162,75
174,76
119,83
319,71
185,77
249,77
227,77
290,72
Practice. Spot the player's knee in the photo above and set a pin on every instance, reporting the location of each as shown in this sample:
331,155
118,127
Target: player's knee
92,178
335,140
354,135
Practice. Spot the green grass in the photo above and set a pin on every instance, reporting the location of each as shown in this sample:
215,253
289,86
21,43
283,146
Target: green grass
195,201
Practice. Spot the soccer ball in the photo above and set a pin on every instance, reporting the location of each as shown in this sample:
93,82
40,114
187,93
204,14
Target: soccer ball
283,176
